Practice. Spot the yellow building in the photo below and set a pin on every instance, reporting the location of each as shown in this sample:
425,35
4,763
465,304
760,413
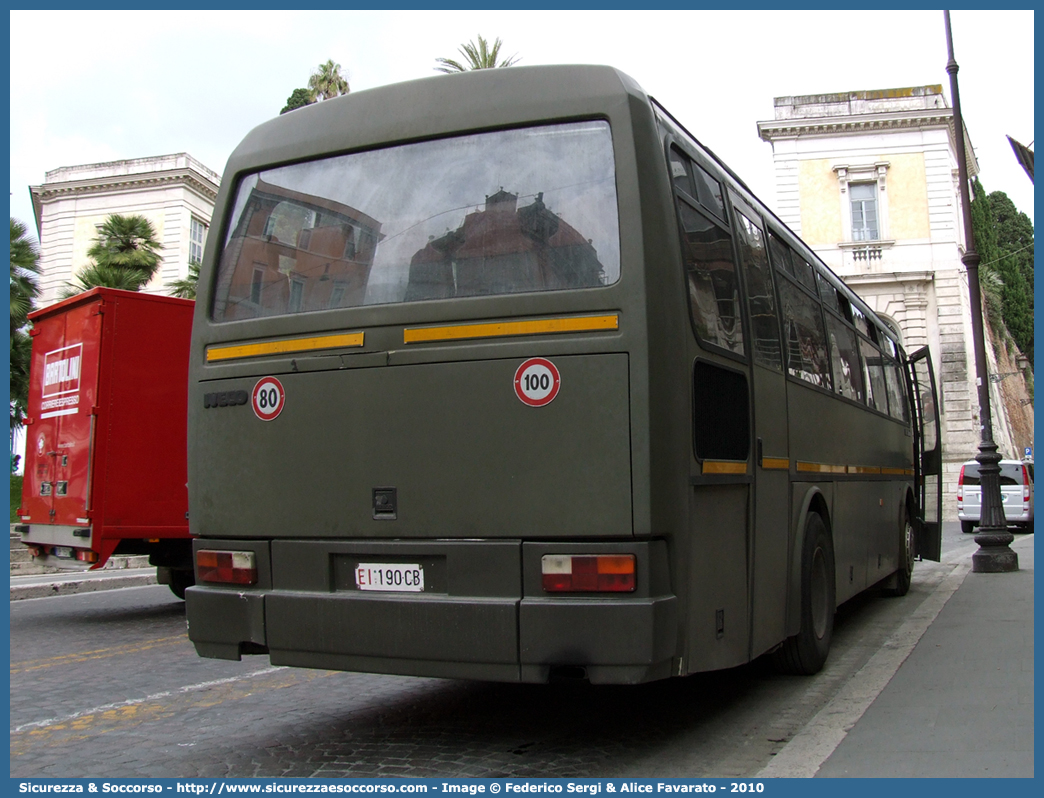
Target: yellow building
869,180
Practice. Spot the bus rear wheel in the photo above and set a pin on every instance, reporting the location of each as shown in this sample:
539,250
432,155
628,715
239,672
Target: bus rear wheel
907,555
806,652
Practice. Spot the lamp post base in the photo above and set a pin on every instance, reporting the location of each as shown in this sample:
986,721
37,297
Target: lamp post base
994,555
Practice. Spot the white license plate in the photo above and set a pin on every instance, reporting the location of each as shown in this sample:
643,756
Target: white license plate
64,552
396,577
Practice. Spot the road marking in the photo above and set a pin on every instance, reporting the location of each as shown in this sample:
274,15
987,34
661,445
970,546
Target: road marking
133,702
101,653
812,746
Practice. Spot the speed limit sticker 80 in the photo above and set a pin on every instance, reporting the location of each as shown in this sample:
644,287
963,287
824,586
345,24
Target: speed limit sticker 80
268,398
537,382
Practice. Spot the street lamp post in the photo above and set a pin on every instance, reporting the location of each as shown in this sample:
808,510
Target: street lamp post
994,554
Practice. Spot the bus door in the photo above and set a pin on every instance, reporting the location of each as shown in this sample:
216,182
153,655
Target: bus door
927,455
767,571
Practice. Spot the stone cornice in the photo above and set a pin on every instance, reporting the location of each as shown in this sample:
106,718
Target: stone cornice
187,177
102,185
863,123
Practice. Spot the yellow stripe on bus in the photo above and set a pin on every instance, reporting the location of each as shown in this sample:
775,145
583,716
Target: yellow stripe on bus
498,329
719,467
864,470
777,463
285,346
821,468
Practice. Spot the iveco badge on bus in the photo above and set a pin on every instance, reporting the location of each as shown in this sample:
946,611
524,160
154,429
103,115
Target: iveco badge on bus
537,382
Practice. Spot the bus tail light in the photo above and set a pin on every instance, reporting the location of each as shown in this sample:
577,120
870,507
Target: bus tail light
960,486
86,555
1025,488
226,567
588,573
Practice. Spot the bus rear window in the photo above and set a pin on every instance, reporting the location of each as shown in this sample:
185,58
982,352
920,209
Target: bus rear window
506,212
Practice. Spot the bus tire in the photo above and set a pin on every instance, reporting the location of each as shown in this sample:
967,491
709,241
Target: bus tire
181,579
967,527
907,556
805,652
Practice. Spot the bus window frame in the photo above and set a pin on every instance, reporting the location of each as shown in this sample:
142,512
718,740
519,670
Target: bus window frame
677,196
742,207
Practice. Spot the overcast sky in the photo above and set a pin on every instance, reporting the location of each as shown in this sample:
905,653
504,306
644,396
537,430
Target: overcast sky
101,86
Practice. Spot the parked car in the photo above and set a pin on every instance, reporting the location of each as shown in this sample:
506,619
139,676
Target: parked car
1016,483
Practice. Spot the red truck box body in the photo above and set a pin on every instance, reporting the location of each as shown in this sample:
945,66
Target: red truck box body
105,453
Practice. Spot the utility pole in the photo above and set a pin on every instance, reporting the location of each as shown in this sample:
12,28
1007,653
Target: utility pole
994,539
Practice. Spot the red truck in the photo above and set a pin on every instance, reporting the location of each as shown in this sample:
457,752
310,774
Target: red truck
105,462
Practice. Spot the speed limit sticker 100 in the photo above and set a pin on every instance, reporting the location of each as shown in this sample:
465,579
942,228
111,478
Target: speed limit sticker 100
268,398
537,382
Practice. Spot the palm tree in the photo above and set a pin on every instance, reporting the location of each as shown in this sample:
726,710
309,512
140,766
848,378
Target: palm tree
95,275
25,287
124,255
185,288
480,56
327,81
25,269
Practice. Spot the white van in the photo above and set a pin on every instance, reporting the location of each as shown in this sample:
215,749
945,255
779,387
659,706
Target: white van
1016,482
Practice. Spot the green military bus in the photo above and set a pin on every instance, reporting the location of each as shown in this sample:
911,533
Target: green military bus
503,375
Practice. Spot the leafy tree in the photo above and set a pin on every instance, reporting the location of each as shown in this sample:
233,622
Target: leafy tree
1000,277
1015,235
480,56
327,81
125,255
25,288
299,99
185,288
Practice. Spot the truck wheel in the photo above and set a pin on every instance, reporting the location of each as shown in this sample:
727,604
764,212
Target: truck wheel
179,580
907,555
967,527
805,652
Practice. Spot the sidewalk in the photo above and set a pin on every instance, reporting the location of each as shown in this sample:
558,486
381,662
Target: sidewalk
950,695
62,584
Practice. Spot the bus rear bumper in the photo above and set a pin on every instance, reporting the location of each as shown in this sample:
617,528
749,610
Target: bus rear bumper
617,640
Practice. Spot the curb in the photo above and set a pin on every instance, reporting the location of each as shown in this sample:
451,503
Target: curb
47,585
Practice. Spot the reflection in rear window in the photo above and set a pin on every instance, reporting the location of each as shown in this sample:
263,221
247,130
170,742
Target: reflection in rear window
493,213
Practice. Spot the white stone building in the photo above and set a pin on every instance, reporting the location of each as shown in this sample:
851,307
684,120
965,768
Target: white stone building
174,192
869,180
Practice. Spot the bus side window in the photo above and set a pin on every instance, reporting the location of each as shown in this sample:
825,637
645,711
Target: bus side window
711,277
803,337
873,363
897,406
844,359
721,414
761,298
708,191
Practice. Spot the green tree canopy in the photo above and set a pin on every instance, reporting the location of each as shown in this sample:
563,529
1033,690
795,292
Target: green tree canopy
1004,287
299,99
1014,235
125,255
327,81
476,56
25,288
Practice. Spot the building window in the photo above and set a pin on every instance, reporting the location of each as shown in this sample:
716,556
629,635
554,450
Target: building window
864,211
864,203
257,282
197,237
